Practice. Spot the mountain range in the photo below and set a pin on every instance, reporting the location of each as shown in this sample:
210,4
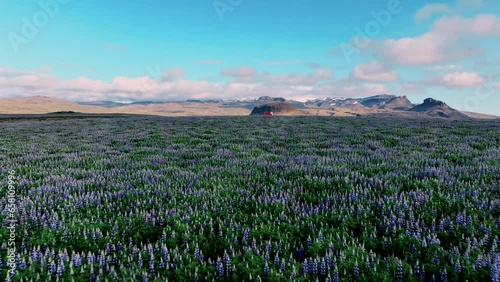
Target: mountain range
330,106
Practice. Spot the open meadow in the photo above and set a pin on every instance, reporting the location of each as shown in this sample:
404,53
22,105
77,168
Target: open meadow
134,198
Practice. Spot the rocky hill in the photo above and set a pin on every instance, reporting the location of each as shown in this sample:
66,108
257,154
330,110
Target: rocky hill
396,103
436,108
278,108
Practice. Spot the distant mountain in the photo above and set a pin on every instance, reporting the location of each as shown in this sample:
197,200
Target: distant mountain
387,102
376,100
43,105
383,101
112,104
479,115
267,99
397,103
250,103
390,105
207,101
437,108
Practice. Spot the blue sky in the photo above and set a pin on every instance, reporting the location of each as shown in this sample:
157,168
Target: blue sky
170,50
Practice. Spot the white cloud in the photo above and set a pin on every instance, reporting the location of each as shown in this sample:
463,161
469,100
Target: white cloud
450,67
431,10
374,71
459,79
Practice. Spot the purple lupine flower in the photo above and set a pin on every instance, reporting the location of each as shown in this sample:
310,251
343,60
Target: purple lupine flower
227,261
22,264
305,267
441,226
294,273
323,267
266,269
416,268
435,259
479,261
52,267
60,269
495,269
336,274
90,258
444,275
458,267
276,259
37,255
399,271
102,260
301,251
219,266
139,261
166,255
356,269
175,263
254,245
197,252
313,265
152,264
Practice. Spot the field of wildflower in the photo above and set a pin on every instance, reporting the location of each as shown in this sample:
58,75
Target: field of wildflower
251,199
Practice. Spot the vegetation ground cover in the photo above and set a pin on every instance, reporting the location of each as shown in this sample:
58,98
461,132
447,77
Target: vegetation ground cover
240,198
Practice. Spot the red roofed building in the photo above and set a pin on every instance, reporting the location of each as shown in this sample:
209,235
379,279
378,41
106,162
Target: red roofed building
268,114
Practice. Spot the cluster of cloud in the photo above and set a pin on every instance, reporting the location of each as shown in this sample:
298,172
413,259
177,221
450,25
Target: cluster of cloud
173,85
434,9
447,41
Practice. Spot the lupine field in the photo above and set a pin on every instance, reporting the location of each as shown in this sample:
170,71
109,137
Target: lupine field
252,199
